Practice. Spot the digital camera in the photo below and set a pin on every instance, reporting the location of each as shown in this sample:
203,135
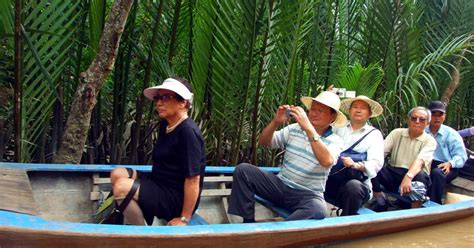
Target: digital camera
343,93
288,113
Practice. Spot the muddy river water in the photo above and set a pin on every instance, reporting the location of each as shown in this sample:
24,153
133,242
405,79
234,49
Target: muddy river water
454,234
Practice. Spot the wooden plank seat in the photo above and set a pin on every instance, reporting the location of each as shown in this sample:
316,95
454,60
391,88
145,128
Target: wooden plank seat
16,193
461,185
214,186
104,182
283,212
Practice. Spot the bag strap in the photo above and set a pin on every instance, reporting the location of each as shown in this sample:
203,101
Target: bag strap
130,194
130,172
357,142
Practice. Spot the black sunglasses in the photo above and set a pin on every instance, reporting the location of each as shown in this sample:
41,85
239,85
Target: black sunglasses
164,97
417,119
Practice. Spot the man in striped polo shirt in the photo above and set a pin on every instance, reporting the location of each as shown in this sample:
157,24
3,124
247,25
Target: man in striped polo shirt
311,149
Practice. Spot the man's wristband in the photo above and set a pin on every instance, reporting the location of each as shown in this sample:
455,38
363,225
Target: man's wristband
409,175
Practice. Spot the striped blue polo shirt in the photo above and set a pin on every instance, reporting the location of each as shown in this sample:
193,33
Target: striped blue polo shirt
300,168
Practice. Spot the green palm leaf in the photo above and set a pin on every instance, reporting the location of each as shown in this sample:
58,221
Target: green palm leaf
48,37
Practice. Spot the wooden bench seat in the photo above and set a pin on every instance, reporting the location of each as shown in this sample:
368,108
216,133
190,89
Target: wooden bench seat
101,182
214,186
461,185
16,193
283,212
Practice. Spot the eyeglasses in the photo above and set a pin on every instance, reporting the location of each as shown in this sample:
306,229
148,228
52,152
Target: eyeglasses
164,98
417,119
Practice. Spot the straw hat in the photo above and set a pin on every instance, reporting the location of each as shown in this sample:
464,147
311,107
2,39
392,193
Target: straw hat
329,99
169,84
375,107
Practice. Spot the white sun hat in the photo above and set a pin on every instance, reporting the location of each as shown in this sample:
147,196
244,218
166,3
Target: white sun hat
329,99
169,84
375,107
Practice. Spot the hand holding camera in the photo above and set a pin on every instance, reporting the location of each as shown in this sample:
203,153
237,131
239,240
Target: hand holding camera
288,113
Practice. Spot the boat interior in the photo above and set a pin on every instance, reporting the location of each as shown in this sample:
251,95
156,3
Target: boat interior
75,196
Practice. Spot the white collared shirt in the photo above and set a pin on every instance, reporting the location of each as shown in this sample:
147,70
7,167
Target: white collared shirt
373,144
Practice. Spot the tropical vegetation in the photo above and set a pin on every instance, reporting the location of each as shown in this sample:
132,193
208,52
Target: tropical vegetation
243,58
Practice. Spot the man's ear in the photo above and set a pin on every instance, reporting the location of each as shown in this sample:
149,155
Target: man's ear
334,117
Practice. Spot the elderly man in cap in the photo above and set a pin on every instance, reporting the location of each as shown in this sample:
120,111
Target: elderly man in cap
408,170
346,189
311,148
450,154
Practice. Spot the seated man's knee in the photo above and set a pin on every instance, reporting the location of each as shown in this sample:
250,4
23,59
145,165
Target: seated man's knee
122,186
318,209
117,173
437,173
351,189
319,214
242,168
353,184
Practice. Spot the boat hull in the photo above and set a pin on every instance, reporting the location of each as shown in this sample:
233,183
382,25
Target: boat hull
17,229
290,233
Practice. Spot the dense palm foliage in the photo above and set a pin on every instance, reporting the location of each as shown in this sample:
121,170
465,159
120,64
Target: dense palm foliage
243,57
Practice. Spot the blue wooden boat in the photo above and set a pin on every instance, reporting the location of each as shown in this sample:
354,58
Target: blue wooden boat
62,195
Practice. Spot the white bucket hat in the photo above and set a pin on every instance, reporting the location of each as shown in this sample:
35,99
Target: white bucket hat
169,84
329,99
375,107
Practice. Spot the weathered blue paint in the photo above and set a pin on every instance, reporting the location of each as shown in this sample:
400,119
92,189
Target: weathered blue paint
107,168
23,221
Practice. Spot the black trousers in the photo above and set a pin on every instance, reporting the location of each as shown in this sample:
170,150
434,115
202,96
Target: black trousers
439,181
391,178
349,196
249,180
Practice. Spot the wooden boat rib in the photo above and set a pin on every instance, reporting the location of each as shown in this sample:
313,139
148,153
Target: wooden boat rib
18,229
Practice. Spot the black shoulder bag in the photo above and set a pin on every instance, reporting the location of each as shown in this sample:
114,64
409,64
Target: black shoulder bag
342,174
109,211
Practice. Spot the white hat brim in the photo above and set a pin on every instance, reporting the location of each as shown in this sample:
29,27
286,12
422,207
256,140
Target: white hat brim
169,84
340,120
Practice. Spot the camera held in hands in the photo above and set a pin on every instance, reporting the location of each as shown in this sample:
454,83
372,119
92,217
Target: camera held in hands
288,113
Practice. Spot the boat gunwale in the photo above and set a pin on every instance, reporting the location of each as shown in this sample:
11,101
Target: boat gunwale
107,168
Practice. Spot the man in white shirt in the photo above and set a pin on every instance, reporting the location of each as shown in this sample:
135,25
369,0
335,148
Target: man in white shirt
351,193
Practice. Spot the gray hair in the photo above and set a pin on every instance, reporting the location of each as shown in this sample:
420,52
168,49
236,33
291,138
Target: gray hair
428,112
